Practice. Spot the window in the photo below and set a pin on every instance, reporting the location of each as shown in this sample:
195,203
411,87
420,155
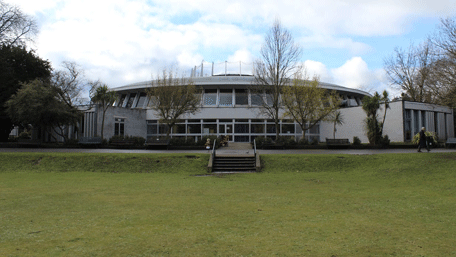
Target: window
152,128
416,121
179,129
408,125
122,99
210,97
209,129
194,128
423,119
119,126
130,100
257,128
226,97
141,100
241,128
257,99
288,128
242,98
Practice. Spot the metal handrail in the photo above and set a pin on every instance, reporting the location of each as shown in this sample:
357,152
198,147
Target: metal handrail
213,152
254,148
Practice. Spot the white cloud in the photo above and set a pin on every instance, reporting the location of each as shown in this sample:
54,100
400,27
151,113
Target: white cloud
124,41
354,74
318,69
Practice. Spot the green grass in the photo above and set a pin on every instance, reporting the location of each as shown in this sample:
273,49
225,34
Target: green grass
154,205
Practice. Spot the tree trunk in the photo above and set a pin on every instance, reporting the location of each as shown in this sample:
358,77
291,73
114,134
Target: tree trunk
334,132
277,127
102,123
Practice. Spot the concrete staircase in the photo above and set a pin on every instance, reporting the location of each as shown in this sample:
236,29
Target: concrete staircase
235,158
234,164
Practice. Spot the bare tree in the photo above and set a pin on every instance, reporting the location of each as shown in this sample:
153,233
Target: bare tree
307,103
444,72
172,97
411,72
70,83
273,71
15,27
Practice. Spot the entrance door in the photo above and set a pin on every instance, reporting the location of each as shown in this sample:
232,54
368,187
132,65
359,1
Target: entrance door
226,130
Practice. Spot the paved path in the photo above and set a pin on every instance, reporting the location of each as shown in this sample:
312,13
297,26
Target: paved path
227,151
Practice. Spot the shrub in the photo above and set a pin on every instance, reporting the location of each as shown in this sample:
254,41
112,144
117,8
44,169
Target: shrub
71,142
384,141
314,141
261,141
432,135
285,140
178,141
356,141
24,135
137,141
303,141
203,141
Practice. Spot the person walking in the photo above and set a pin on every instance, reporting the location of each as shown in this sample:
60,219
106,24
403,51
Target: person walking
422,143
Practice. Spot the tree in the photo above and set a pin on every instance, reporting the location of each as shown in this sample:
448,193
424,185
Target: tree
100,94
307,103
338,119
38,103
17,65
411,72
445,65
172,97
274,70
374,128
70,83
15,27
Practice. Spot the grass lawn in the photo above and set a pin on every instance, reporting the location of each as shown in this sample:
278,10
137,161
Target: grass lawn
155,205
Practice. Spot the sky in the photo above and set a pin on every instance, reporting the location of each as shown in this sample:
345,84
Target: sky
120,42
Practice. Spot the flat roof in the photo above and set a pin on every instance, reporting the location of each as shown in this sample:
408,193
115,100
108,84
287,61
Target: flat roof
233,80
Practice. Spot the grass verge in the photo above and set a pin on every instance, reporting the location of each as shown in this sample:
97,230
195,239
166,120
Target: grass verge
153,205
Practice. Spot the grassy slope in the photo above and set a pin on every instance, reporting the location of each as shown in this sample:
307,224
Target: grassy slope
379,205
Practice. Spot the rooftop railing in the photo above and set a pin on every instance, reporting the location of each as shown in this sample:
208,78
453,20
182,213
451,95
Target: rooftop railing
207,69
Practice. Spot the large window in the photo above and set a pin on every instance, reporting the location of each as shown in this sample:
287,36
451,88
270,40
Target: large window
119,127
226,97
242,97
408,125
141,100
256,99
152,128
210,97
121,100
130,100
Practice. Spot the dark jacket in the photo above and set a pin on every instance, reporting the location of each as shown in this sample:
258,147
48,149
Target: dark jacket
422,139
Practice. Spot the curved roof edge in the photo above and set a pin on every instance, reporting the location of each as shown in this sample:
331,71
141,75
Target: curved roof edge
233,80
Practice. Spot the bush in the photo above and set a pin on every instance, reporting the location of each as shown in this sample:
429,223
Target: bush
384,141
178,141
24,135
286,141
261,141
356,141
432,135
203,141
72,142
137,141
303,141
314,141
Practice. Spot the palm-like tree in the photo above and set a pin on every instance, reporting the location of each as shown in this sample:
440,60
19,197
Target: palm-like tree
338,119
104,97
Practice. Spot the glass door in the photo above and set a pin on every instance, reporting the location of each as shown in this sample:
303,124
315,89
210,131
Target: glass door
226,130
